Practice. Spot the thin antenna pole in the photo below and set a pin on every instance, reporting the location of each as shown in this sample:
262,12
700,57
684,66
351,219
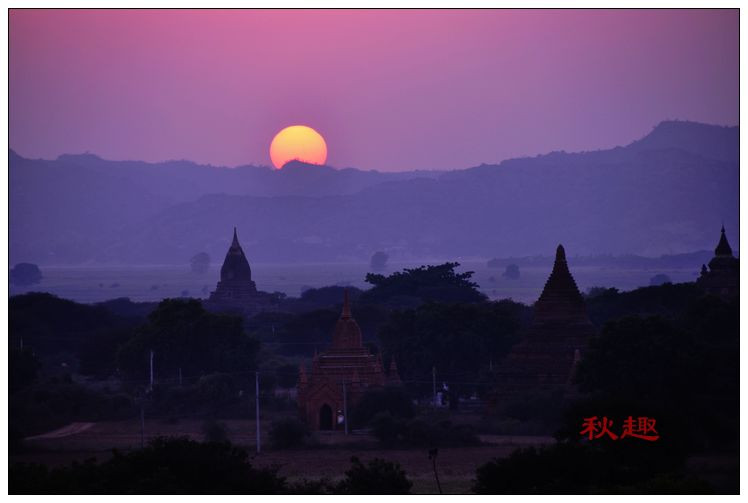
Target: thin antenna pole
433,383
432,455
345,408
257,409
151,386
142,422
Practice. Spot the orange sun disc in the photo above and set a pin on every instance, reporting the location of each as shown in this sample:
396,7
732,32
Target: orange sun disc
300,143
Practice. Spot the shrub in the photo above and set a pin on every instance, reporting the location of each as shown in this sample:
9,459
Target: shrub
376,477
392,399
215,431
420,432
165,466
387,429
288,433
569,468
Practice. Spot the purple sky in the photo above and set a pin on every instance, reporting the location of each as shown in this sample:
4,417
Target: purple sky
389,90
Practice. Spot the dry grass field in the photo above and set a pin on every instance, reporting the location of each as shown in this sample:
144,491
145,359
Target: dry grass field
329,458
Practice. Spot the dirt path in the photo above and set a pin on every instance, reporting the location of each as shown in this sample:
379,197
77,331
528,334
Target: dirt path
65,431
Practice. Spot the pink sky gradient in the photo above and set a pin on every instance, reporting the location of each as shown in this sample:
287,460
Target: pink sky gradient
389,90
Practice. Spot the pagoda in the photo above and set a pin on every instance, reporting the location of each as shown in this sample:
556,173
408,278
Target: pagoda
546,357
235,290
340,376
723,276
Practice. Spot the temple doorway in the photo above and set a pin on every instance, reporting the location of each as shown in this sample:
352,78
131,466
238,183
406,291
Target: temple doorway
325,417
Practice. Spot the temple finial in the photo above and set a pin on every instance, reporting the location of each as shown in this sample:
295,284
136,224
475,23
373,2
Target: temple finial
723,247
560,253
235,242
346,305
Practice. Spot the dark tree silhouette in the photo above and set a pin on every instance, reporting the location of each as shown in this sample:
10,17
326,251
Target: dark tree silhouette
184,335
166,466
379,261
376,477
438,283
511,272
200,263
460,340
659,279
25,274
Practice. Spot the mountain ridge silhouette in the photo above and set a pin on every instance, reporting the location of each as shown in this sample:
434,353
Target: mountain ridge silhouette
664,193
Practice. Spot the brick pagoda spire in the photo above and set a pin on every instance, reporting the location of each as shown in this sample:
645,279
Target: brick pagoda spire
320,391
551,347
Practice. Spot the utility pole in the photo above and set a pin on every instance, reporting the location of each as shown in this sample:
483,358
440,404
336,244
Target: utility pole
180,377
142,421
433,383
257,409
151,385
21,343
432,456
345,408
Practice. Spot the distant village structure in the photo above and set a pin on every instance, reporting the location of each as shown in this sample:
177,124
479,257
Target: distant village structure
235,290
723,276
339,377
546,357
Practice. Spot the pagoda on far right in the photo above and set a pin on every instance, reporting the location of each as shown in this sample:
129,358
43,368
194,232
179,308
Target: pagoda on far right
722,278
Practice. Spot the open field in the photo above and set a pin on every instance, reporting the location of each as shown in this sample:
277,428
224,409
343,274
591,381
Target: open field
153,283
330,458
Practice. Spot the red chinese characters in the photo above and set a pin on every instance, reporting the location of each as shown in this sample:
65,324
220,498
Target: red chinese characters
643,428
596,428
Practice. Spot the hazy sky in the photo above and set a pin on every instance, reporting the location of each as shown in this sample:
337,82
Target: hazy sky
389,90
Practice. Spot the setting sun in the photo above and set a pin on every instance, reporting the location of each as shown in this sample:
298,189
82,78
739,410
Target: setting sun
300,143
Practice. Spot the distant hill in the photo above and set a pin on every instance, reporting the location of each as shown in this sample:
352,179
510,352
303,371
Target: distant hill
667,193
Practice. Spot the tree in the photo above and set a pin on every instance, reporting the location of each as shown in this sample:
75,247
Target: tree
437,283
391,399
511,271
185,336
200,263
682,370
52,326
376,477
25,274
23,367
659,279
378,261
460,340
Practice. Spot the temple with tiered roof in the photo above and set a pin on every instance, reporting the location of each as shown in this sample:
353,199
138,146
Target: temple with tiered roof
235,290
723,276
545,359
340,376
